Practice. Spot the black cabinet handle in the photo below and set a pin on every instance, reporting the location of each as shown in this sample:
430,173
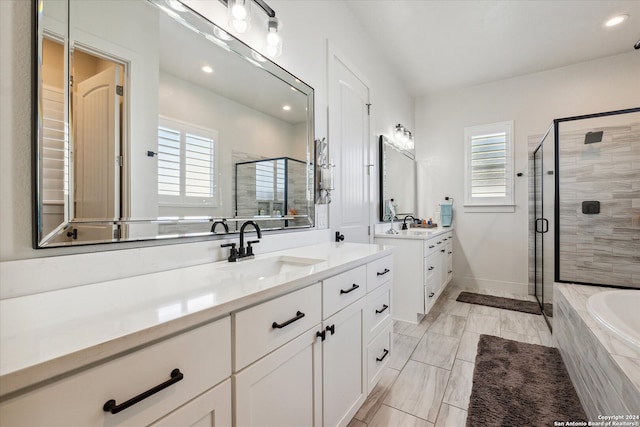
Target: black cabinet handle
331,329
450,252
437,243
299,315
380,359
442,250
111,406
384,307
353,288
450,271
431,268
431,246
386,270
431,295
321,334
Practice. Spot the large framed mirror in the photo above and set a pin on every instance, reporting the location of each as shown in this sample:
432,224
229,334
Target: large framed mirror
398,180
144,109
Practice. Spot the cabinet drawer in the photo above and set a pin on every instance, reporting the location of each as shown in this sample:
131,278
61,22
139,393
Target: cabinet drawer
378,356
431,246
431,266
213,408
202,355
378,310
265,327
379,271
341,290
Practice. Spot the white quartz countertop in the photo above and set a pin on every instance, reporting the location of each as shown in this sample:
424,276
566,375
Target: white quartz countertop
50,334
417,233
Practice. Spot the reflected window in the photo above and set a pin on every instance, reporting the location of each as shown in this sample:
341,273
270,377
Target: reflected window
186,163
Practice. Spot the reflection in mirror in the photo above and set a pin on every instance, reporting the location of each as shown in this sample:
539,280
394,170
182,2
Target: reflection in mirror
160,107
397,180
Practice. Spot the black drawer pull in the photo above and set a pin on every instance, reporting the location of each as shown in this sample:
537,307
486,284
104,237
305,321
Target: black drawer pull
437,243
380,359
299,315
353,288
431,268
431,246
331,329
322,335
431,295
450,252
386,270
442,250
384,307
450,271
111,406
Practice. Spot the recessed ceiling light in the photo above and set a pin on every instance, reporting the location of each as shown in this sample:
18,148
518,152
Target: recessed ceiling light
286,108
207,69
616,20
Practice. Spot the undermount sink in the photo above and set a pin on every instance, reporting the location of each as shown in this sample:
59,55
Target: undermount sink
265,267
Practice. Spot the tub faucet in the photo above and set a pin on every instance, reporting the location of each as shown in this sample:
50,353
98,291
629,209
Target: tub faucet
221,222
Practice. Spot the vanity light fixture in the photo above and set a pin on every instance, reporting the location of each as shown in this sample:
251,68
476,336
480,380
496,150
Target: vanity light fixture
402,138
240,20
618,19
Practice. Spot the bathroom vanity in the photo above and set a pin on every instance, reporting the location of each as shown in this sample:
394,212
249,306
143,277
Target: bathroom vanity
309,327
423,259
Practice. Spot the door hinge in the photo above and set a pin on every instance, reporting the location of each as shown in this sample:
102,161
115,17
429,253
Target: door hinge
119,90
368,109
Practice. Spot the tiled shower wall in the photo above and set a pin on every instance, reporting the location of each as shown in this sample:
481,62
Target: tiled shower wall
600,248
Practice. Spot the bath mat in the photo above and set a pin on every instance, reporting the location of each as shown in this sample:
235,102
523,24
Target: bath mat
520,384
500,302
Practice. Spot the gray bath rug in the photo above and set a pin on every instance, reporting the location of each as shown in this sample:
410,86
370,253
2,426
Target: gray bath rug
519,384
500,302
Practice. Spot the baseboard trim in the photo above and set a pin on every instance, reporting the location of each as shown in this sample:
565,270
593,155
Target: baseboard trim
475,283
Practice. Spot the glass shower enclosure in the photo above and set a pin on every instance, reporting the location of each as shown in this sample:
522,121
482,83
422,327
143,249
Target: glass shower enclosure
585,204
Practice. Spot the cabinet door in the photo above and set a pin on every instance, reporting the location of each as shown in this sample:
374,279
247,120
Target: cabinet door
211,409
283,388
343,360
432,279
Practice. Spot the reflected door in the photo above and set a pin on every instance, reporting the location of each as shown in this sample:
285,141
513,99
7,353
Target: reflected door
97,151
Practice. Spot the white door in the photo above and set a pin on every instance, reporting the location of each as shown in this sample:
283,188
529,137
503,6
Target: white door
349,145
96,152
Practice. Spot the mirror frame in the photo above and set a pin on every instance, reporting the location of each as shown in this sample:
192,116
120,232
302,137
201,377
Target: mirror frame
204,26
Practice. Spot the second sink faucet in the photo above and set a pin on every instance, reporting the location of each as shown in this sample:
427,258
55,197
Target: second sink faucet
404,222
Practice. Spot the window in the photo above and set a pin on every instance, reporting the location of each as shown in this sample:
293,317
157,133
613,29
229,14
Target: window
186,164
489,165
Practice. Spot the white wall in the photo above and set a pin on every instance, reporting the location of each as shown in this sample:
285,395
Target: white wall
306,27
491,248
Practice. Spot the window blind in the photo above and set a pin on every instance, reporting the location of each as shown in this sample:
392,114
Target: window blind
54,154
270,180
489,165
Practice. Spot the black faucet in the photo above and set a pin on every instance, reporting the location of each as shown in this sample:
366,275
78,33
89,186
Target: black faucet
404,222
243,253
223,223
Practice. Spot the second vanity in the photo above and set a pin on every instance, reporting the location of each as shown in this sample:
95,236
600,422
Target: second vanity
423,259
297,337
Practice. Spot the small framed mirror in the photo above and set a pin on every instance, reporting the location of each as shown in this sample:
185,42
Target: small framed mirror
398,180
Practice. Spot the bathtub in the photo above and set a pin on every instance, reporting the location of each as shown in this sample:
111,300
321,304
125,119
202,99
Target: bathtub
618,311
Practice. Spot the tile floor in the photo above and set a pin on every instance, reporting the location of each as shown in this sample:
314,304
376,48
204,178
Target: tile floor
428,382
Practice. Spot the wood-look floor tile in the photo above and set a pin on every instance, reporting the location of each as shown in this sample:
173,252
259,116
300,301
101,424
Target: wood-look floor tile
522,323
468,347
437,350
448,324
418,390
483,324
403,346
411,329
377,395
388,416
520,337
486,310
456,308
450,416
458,389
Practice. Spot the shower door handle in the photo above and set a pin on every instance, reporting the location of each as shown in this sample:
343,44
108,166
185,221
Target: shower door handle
545,225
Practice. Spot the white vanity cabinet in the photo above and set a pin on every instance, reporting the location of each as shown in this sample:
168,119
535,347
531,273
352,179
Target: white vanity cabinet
423,267
202,356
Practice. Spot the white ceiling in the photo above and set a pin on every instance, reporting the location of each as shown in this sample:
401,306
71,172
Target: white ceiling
436,45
